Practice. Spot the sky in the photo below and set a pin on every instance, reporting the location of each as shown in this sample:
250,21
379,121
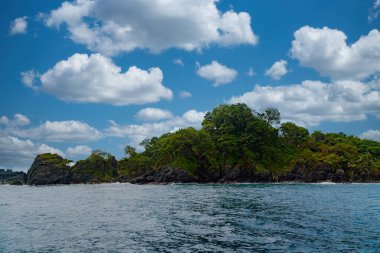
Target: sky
82,75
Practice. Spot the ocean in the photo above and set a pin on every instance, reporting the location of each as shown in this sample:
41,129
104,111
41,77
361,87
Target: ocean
190,218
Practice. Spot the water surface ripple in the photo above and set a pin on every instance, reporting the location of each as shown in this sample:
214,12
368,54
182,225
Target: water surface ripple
191,218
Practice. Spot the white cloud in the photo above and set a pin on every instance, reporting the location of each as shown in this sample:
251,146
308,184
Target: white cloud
19,154
326,51
79,150
217,73
96,79
28,78
61,131
4,120
371,135
251,72
313,102
193,117
21,120
153,114
185,94
19,26
18,120
123,26
178,61
278,70
374,11
136,133
49,131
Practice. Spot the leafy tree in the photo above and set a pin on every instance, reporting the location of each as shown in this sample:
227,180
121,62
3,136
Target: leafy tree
271,115
293,135
129,151
100,153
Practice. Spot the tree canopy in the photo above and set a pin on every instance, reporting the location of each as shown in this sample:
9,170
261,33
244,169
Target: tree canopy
235,135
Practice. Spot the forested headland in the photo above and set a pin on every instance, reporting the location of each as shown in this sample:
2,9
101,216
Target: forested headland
234,144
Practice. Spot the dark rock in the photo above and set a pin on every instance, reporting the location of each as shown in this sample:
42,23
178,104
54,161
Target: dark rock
13,178
48,169
95,169
312,173
339,176
124,179
208,175
164,176
244,175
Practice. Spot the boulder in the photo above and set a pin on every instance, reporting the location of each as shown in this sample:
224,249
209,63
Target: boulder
48,169
165,175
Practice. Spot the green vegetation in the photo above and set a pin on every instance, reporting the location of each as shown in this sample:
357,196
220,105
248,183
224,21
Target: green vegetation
55,159
236,136
98,166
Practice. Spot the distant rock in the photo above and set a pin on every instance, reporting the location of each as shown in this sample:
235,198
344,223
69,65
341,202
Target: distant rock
48,169
164,176
12,177
95,169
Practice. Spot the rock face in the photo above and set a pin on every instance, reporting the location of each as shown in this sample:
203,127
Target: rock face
13,178
95,169
48,169
314,173
244,174
164,176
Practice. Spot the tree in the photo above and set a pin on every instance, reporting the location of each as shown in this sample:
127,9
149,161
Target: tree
100,153
129,151
293,135
271,115
188,149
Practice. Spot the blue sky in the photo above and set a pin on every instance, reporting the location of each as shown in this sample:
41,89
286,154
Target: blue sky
95,74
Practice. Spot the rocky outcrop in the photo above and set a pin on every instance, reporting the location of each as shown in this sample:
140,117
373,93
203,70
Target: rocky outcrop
11,177
244,175
48,169
95,169
164,176
315,172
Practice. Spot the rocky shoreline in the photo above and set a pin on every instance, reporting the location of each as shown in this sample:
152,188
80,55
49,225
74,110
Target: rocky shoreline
51,169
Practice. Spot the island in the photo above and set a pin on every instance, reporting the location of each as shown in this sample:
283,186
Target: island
234,145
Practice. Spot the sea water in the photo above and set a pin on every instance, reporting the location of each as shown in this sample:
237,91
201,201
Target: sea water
191,218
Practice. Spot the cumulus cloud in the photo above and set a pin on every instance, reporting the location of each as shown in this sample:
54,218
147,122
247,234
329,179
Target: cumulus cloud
313,102
94,78
185,94
278,70
19,26
49,131
79,150
18,120
28,78
21,120
138,132
217,73
4,120
19,154
153,114
326,51
61,131
156,25
371,135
